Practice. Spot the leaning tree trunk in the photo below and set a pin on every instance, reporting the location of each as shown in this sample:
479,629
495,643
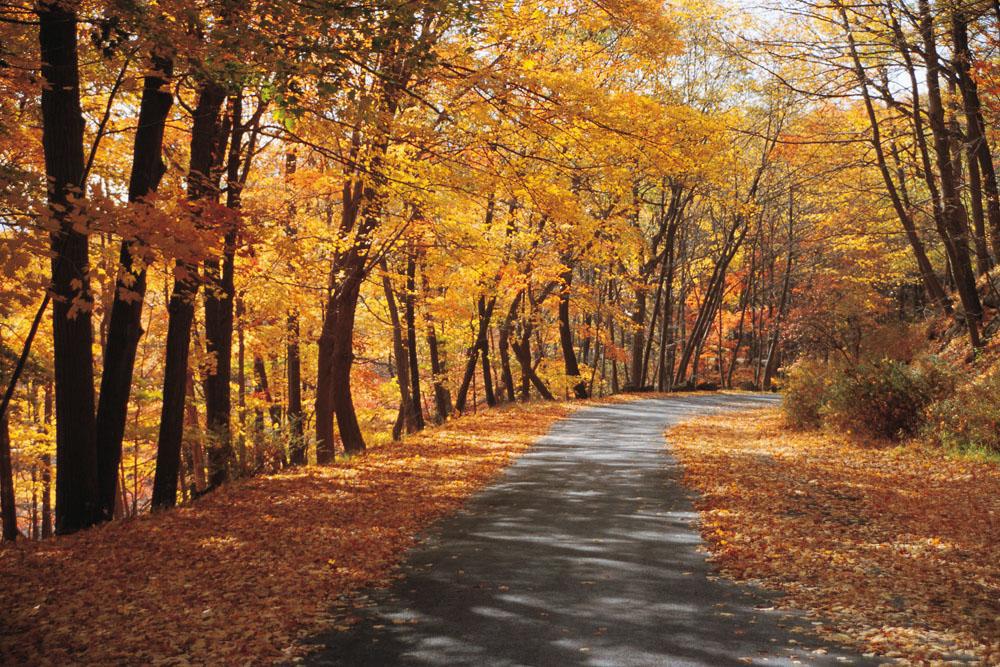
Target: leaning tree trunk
77,492
125,327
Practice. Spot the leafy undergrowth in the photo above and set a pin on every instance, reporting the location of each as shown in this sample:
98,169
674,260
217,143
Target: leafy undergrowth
892,551
243,573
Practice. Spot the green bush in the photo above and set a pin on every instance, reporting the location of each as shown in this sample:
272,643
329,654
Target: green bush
969,420
804,389
885,399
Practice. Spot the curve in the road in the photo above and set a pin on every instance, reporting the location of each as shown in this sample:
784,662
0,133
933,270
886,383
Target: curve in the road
586,552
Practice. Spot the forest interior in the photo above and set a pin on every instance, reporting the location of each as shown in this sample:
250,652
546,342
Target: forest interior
285,281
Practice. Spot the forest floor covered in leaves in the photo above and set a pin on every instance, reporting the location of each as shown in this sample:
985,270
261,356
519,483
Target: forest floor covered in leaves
242,573
892,550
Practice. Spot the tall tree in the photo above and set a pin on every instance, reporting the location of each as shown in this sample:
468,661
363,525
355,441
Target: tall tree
125,327
77,493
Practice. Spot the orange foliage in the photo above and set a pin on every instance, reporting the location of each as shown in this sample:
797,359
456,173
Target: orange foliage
247,570
891,551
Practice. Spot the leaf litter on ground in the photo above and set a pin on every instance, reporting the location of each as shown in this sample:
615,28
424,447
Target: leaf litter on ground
892,550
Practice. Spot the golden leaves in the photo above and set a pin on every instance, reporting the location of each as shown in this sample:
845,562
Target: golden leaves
241,574
892,551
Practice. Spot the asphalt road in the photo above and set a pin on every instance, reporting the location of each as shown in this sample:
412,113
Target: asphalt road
585,552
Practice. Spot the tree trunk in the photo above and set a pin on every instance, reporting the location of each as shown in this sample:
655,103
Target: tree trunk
402,363
504,347
485,310
955,236
929,278
417,408
566,337
77,491
297,449
297,454
47,468
218,303
522,351
638,336
8,504
125,327
484,355
976,127
202,191
336,356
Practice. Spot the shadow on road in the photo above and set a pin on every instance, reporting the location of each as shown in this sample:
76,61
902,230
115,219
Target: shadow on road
586,552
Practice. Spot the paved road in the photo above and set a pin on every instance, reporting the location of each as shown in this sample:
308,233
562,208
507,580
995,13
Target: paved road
586,552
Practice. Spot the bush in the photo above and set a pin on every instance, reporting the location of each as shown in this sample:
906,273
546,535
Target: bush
805,389
885,399
969,420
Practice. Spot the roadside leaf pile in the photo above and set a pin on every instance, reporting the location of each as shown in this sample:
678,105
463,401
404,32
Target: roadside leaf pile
892,551
243,573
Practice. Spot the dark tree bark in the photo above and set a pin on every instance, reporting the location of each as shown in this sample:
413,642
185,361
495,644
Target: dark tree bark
955,237
484,355
399,351
442,397
566,337
47,467
219,299
639,334
8,504
202,192
978,144
125,326
297,451
411,342
77,491
529,378
713,298
263,390
485,309
772,350
362,208
504,347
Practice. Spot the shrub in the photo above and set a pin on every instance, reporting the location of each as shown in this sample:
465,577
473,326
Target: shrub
885,399
969,420
805,388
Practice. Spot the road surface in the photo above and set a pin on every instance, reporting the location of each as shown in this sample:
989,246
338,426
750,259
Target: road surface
585,552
